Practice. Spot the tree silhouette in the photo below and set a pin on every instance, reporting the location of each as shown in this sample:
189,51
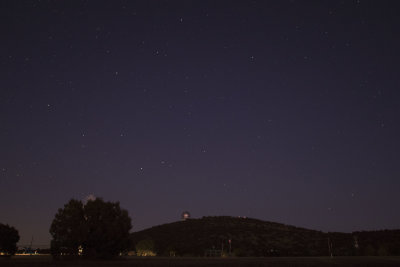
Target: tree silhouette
8,239
68,229
97,229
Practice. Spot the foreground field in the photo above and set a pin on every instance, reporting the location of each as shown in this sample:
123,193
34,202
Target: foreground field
46,261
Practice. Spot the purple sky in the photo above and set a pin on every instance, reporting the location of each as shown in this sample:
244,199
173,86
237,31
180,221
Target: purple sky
284,111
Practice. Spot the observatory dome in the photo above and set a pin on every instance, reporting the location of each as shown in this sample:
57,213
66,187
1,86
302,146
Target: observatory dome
185,215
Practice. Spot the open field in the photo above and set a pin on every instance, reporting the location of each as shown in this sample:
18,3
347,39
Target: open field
45,261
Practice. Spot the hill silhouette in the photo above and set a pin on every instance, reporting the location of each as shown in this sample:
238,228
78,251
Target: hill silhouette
253,237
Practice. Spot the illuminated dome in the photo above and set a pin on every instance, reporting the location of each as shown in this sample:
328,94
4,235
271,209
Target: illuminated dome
185,215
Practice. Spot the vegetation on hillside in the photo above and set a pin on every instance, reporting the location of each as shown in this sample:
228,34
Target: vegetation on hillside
252,237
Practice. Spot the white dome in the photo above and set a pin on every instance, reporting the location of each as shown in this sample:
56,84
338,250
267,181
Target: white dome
185,215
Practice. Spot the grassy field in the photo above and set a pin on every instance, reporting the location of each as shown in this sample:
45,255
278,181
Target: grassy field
39,261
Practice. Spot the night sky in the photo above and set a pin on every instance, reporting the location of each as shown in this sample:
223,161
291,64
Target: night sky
285,111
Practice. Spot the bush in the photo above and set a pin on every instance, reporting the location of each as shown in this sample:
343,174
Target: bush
145,248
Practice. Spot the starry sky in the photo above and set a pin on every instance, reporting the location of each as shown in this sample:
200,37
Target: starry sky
285,111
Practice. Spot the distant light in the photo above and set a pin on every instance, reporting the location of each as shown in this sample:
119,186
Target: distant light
185,215
89,197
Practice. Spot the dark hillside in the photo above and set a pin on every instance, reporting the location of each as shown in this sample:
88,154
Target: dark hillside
251,237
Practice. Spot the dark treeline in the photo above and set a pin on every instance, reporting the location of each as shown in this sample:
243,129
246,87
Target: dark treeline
251,237
366,243
99,229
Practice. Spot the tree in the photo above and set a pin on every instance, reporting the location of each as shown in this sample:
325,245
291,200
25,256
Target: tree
96,229
68,229
108,228
8,239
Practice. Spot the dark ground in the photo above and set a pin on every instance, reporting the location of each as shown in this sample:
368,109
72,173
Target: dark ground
36,261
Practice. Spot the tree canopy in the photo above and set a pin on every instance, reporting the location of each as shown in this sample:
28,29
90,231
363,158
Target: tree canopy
8,239
97,229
